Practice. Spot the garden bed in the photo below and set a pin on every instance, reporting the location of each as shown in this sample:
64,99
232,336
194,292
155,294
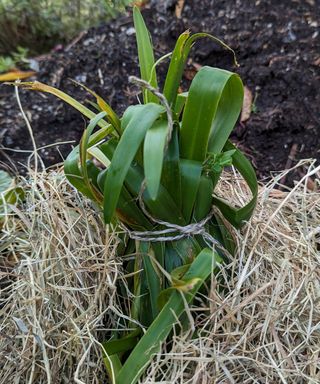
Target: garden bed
277,47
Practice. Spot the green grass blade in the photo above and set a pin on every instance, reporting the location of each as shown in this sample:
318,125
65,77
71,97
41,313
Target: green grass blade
132,137
146,56
100,135
150,343
153,153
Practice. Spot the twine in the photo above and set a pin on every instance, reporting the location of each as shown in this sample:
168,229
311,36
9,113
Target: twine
184,231
164,102
189,230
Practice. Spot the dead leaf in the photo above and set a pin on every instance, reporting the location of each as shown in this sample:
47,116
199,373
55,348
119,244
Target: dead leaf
247,105
196,66
317,62
179,8
140,4
15,75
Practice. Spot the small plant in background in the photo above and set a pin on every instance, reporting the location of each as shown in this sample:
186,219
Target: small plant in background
39,25
18,58
154,172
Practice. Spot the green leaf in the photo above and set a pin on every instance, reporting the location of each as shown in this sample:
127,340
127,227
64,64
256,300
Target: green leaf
152,276
153,153
9,193
180,103
132,137
164,207
105,107
237,217
171,176
74,175
190,179
228,110
212,91
176,67
84,143
6,182
204,198
146,56
151,341
122,345
179,59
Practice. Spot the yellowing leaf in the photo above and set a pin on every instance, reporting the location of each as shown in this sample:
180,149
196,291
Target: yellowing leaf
16,75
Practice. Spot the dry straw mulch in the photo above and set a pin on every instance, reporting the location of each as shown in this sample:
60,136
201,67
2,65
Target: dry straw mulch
59,298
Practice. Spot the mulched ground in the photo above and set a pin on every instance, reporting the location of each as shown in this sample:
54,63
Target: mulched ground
277,45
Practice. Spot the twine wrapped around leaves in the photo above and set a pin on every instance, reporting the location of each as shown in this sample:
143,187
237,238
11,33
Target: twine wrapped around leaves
192,229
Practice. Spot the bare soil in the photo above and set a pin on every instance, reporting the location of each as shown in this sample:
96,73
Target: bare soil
277,45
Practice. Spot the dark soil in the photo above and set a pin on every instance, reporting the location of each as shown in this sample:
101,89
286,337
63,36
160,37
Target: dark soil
277,45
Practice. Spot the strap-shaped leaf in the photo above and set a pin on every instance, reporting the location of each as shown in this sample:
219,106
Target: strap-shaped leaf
37,86
180,103
151,341
171,175
142,119
176,67
74,175
228,110
84,143
203,202
127,210
211,92
153,153
179,59
190,179
164,207
124,344
235,216
146,56
104,106
153,277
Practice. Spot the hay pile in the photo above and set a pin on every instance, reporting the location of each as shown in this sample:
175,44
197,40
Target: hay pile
58,294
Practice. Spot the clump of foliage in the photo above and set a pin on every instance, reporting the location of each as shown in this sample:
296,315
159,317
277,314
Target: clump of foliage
153,172
17,58
38,25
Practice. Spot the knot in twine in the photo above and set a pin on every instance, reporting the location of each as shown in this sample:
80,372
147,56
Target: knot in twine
163,235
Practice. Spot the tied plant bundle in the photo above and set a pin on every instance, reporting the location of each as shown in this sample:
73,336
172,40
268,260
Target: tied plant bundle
153,173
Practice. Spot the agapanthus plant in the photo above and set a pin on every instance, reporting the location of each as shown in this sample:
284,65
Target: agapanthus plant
153,172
